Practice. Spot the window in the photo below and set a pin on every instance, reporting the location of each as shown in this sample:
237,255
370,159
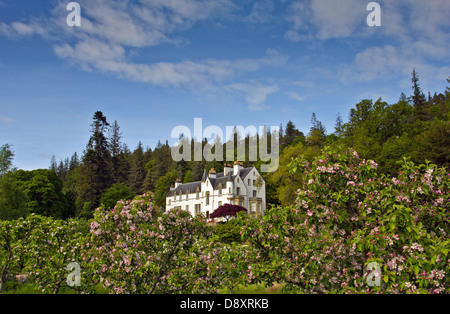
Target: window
198,208
220,189
259,207
229,190
187,194
253,207
187,207
249,183
254,193
207,198
254,182
238,191
240,203
197,193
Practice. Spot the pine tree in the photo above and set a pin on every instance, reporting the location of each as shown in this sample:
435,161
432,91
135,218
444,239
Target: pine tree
119,166
339,126
418,97
95,175
403,97
53,164
137,170
74,162
317,134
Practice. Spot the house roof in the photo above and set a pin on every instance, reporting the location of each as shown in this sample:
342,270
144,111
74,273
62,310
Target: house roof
219,179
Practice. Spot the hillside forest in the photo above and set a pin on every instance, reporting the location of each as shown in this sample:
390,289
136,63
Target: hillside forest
416,127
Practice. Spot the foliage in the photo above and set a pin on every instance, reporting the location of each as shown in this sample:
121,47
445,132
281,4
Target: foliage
345,217
163,187
13,200
44,190
138,248
227,232
227,211
95,175
6,156
117,192
49,248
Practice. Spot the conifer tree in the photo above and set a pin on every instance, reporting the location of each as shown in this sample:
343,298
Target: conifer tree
418,97
95,176
137,170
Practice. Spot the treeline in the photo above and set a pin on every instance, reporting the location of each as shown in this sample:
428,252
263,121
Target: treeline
416,127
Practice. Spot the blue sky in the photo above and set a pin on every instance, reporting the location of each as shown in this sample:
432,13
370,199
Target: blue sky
156,64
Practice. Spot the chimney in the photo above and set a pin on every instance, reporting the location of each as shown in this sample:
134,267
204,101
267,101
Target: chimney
177,183
212,173
237,167
227,169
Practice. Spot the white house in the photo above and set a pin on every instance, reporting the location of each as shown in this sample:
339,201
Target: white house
235,185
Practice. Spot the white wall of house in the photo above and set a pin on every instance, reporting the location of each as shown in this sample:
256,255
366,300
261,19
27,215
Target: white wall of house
241,191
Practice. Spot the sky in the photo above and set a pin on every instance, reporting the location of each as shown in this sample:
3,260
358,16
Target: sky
152,65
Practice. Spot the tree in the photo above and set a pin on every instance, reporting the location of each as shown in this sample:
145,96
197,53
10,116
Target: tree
346,218
163,187
418,97
45,192
95,175
117,192
119,167
13,199
137,170
6,157
154,251
188,177
317,134
290,134
48,249
283,181
227,211
339,126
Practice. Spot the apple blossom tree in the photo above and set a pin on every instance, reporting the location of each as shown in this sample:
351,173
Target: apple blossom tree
347,219
136,247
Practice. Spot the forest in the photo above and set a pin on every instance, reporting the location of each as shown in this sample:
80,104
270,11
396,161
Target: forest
416,127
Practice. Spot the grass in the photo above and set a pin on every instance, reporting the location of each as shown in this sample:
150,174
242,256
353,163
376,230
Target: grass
30,288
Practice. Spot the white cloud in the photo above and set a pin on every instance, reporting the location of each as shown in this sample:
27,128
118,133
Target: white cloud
324,19
262,12
296,96
402,20
111,30
391,63
255,94
17,29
